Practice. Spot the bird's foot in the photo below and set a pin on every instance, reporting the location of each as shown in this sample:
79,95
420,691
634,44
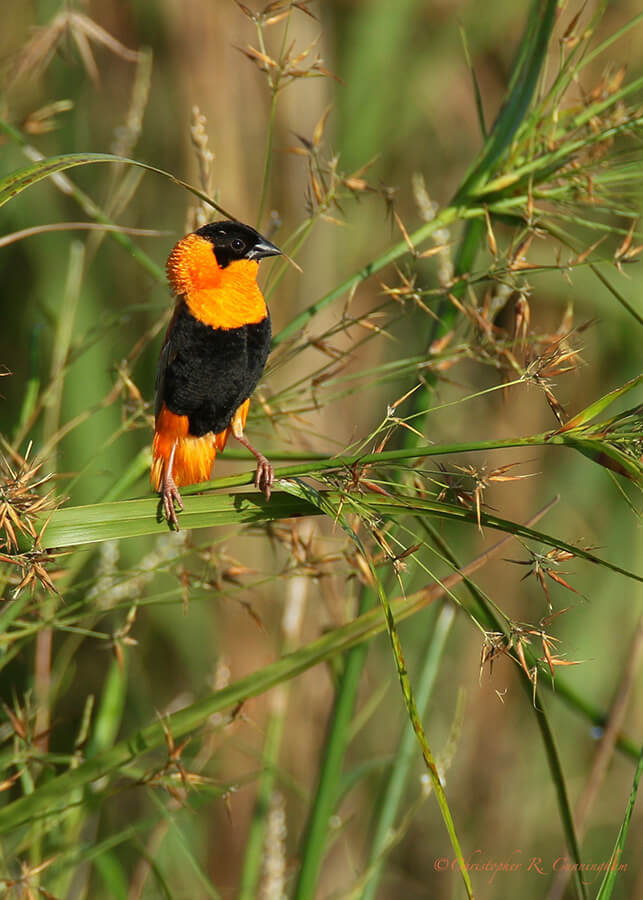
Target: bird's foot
169,497
264,476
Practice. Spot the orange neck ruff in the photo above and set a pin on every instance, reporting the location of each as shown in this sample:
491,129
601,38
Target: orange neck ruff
221,298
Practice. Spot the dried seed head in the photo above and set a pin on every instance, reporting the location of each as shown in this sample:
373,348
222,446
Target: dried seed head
21,503
205,158
38,52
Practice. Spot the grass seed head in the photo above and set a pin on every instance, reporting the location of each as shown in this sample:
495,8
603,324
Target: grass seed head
22,505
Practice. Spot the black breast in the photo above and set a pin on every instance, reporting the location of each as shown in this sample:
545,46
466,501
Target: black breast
206,373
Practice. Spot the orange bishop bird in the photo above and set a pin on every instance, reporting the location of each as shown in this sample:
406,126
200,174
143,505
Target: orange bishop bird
215,350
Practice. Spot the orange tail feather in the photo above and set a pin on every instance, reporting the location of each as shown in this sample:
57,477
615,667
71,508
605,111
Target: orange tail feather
193,456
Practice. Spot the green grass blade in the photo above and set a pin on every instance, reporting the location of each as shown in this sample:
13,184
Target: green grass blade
110,709
327,793
594,409
111,871
609,880
135,518
474,82
33,382
524,78
132,518
395,507
335,512
610,457
405,753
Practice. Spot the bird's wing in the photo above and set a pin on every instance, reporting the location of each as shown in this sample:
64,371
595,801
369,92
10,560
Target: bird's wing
159,384
167,354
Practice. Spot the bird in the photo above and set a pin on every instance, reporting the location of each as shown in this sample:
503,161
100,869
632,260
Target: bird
212,358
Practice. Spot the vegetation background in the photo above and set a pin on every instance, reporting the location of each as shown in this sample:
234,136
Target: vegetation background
286,792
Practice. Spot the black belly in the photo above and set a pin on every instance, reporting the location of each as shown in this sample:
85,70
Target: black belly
209,372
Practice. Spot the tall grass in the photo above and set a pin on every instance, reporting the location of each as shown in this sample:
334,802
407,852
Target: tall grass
210,713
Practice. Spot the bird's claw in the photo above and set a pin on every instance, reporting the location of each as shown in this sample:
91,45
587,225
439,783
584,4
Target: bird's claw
170,496
264,476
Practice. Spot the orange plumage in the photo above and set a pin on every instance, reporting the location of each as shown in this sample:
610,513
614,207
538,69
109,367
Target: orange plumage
193,456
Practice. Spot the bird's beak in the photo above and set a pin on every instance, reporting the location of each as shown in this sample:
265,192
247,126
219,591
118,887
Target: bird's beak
262,249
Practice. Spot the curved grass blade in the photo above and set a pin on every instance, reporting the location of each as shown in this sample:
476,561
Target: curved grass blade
609,457
594,409
394,507
18,181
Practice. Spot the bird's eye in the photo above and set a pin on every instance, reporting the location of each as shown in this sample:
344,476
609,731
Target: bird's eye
238,244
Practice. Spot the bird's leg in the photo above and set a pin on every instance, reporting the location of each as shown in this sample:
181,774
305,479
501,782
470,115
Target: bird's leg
265,474
170,493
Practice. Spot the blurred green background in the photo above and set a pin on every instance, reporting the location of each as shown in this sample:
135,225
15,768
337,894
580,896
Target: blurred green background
402,100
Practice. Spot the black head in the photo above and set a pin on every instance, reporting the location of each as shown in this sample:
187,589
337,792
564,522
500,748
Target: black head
234,240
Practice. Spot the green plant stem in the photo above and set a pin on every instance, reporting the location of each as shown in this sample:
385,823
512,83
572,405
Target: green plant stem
67,306
555,768
254,854
491,621
545,438
486,615
338,513
32,387
406,752
254,846
446,217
